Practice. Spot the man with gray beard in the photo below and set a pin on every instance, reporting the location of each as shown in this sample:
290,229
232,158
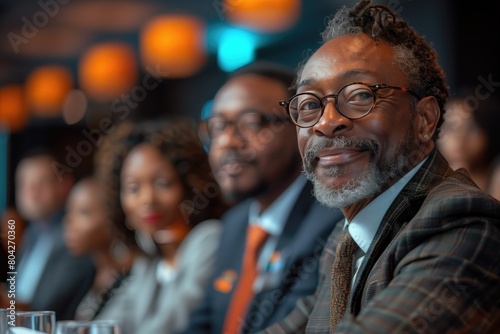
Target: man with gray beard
419,251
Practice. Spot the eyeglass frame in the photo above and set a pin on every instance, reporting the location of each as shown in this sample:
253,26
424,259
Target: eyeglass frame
265,118
374,88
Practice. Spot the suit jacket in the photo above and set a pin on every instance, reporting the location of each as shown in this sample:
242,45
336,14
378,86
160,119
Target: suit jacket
303,239
145,306
433,266
64,281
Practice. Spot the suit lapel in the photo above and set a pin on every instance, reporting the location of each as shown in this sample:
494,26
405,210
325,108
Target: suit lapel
292,225
296,215
401,211
229,261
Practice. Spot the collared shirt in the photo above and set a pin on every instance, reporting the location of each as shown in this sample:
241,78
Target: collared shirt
32,264
273,221
365,224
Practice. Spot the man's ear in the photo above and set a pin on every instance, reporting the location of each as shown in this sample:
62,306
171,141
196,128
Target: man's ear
427,118
65,184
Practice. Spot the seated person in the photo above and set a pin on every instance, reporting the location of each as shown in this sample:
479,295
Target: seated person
87,231
469,136
10,221
159,184
419,250
48,276
270,245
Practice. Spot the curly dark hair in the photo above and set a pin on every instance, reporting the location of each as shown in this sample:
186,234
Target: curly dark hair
416,58
178,141
487,117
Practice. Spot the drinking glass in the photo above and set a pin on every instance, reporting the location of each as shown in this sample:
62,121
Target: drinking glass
93,327
3,320
62,326
34,322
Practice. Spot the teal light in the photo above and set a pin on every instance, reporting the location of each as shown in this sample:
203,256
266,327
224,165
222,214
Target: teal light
236,48
206,110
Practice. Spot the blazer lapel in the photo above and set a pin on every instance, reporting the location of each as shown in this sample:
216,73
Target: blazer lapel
296,215
288,236
401,211
229,261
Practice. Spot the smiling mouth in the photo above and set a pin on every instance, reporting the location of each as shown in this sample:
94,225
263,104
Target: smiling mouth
337,157
335,152
233,167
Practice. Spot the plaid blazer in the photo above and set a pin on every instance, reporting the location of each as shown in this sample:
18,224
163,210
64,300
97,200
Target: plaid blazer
433,267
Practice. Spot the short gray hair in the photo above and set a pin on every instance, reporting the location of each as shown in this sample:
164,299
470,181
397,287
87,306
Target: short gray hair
416,58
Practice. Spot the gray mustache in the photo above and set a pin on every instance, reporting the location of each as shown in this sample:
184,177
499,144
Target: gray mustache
320,143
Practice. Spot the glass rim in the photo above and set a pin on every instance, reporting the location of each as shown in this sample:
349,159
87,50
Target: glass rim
92,324
204,124
35,312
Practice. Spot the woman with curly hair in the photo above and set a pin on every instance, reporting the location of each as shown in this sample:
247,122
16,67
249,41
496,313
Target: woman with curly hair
159,186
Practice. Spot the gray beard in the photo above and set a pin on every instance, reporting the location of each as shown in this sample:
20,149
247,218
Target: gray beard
371,181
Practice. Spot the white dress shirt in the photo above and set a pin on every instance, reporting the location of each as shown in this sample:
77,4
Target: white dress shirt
365,224
273,220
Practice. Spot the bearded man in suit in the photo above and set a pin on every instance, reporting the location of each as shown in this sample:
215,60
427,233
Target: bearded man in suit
419,251
257,165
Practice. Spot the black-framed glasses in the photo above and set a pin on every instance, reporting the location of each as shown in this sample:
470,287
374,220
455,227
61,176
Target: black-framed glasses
354,100
246,125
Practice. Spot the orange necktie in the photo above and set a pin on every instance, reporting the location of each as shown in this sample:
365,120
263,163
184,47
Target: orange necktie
244,290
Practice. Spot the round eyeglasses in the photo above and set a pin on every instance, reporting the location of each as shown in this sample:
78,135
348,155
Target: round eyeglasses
354,100
246,125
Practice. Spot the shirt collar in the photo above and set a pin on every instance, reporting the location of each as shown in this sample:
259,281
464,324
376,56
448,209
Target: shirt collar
273,219
365,224
43,226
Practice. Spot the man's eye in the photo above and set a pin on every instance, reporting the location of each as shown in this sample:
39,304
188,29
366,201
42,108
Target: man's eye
310,105
250,121
360,95
217,126
251,124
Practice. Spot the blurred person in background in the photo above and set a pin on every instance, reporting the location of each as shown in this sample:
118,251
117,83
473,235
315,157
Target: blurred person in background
272,239
10,221
11,214
48,276
159,184
87,231
469,137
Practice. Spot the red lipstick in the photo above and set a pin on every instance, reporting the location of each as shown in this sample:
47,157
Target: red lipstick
152,218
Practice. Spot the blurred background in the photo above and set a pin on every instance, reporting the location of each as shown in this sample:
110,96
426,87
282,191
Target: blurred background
72,69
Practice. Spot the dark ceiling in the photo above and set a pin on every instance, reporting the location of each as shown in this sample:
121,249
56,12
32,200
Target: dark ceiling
74,25
463,32
456,28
